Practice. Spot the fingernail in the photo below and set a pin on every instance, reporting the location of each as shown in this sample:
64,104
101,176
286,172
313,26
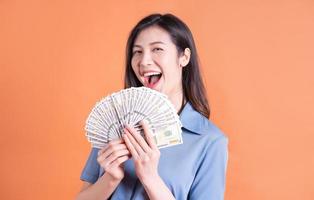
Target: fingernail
144,121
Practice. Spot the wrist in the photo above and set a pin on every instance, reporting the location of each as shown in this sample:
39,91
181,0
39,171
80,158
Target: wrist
156,188
154,179
111,179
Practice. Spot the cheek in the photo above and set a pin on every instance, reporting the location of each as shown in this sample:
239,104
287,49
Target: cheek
135,70
133,64
171,65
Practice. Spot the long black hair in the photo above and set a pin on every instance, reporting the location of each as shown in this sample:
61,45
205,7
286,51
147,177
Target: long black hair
181,36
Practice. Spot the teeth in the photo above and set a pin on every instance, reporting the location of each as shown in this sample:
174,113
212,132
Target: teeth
151,73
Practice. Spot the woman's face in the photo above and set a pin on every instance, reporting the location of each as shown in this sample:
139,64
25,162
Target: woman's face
155,61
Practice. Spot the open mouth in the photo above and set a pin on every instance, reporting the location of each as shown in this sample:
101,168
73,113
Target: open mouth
151,79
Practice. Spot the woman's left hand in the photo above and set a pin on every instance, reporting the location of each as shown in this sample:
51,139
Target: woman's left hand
145,153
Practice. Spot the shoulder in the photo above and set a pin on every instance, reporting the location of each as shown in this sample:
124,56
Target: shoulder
91,169
212,136
209,181
211,131
194,122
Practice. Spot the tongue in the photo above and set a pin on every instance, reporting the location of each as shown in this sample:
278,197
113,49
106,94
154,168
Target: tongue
154,79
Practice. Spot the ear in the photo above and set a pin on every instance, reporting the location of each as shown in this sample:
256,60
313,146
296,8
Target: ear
185,57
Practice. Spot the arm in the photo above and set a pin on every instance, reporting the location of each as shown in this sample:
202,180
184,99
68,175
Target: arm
102,189
157,189
146,157
209,182
111,159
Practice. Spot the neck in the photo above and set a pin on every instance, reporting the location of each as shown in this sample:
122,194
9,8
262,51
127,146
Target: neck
177,100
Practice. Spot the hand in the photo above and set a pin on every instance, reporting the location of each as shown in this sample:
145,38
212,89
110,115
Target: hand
144,153
112,157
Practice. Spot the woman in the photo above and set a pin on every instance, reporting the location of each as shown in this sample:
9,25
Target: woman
161,55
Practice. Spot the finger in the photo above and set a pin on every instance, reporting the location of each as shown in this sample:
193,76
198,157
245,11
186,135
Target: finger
119,161
135,144
148,135
115,155
111,143
130,146
112,149
138,138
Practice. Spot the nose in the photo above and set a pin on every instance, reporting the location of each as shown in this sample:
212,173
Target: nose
146,59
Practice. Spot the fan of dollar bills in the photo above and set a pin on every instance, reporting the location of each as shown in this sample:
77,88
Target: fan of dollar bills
129,106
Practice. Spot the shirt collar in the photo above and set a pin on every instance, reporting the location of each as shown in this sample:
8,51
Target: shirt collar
193,120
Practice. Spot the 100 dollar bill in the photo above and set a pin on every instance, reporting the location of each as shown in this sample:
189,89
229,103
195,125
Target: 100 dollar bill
168,137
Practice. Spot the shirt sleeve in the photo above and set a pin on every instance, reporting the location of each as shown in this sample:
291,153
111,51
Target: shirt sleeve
90,172
209,182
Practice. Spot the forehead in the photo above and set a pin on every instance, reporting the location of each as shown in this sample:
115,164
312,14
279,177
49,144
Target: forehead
152,34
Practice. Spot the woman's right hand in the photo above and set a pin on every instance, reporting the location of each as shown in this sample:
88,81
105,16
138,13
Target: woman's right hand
112,157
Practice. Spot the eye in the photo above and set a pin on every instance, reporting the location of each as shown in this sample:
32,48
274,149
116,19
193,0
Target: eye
157,49
137,52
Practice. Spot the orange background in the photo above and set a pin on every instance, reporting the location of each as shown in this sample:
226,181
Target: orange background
59,57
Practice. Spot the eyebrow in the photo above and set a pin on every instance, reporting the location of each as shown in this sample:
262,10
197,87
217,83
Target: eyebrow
152,43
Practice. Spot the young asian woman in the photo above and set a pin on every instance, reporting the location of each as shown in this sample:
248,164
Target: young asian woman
161,54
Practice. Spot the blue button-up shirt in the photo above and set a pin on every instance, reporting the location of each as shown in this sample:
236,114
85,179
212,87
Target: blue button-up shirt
194,170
